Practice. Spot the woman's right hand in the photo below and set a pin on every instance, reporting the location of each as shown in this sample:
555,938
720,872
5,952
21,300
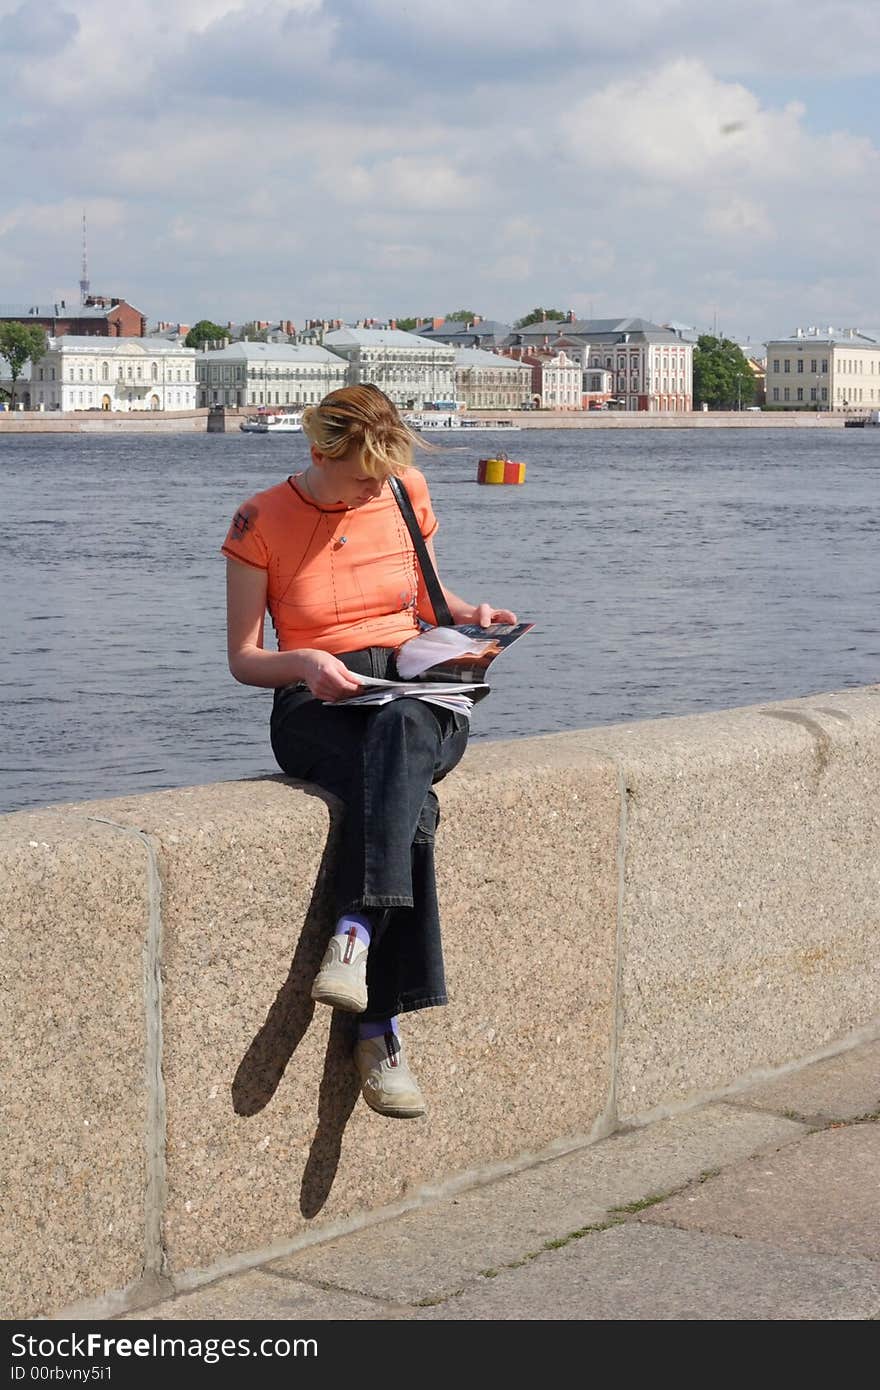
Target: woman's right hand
327,677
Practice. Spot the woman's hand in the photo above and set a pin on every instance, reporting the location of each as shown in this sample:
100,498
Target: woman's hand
485,614
326,676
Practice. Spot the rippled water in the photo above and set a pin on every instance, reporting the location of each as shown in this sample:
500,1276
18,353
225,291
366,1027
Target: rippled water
666,572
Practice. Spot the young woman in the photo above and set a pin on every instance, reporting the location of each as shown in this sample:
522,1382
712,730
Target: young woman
328,554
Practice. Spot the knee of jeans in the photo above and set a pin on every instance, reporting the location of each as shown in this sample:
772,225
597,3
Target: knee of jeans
429,819
413,716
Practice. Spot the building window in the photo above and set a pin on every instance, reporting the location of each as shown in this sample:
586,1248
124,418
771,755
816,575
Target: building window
800,365
824,364
776,364
776,393
800,393
787,364
786,394
813,366
154,371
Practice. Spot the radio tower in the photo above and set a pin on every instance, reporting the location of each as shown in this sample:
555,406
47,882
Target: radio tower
84,287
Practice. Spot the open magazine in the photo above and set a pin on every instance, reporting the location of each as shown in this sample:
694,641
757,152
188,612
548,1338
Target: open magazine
444,665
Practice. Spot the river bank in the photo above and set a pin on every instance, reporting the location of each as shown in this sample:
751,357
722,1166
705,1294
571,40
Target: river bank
190,421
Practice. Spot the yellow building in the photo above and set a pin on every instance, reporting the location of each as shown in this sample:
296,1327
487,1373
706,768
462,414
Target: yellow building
824,369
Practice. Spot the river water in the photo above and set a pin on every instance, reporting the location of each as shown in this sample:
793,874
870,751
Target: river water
666,572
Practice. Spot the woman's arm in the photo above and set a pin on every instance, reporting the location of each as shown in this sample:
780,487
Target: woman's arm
464,612
324,674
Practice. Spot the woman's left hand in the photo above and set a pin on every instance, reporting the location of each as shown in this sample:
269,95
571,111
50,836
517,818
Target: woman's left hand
485,614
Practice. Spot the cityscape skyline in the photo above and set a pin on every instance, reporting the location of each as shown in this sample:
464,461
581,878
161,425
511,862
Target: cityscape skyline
368,158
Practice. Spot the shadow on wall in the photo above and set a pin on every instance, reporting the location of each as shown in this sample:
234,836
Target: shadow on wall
260,1071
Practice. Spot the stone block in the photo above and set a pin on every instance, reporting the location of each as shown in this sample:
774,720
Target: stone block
821,1196
751,894
74,919
266,1132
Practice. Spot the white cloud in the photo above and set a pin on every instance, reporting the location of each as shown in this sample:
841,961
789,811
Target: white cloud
378,156
683,126
735,218
404,183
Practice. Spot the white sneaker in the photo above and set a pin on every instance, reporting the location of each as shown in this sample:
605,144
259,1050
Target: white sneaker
387,1084
341,981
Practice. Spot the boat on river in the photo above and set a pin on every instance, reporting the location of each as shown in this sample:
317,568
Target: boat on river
273,422
864,421
449,420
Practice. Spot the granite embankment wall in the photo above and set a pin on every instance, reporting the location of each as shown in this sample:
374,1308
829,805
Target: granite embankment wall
636,918
103,422
155,422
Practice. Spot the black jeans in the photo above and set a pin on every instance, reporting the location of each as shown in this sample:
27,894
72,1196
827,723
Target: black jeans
381,762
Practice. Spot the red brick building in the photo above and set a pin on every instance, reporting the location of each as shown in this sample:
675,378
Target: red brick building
101,316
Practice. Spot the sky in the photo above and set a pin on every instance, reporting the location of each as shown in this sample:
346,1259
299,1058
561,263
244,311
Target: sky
237,160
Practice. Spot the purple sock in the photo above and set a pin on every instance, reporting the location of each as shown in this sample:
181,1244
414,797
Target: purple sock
362,926
377,1027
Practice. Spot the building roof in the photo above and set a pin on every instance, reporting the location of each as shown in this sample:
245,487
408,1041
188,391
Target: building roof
617,330
52,311
109,347
61,310
270,352
455,332
479,357
378,337
849,337
550,327
583,331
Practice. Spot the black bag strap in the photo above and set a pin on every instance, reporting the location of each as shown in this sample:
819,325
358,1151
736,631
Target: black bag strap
432,583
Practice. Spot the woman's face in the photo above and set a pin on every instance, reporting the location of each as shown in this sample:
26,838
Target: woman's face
344,480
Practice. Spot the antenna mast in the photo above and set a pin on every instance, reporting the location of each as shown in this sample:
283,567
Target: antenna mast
84,282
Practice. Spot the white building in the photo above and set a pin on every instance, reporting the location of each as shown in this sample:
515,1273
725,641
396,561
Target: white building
651,367
268,374
91,373
561,382
488,381
556,378
824,369
413,372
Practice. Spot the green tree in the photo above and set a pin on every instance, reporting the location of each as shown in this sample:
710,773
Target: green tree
406,325
538,315
20,343
461,316
723,378
204,332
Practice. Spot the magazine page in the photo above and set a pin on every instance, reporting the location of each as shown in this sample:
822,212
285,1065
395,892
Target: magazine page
456,695
461,704
462,652
418,687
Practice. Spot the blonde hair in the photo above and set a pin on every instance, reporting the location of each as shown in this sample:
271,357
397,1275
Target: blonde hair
362,417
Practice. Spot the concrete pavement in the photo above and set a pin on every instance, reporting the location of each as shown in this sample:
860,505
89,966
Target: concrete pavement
761,1205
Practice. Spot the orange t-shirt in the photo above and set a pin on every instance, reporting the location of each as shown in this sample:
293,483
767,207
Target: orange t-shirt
340,578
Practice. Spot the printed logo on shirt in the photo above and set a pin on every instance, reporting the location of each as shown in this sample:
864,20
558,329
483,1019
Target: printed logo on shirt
240,523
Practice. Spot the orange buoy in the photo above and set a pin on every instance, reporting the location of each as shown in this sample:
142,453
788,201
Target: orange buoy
500,470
